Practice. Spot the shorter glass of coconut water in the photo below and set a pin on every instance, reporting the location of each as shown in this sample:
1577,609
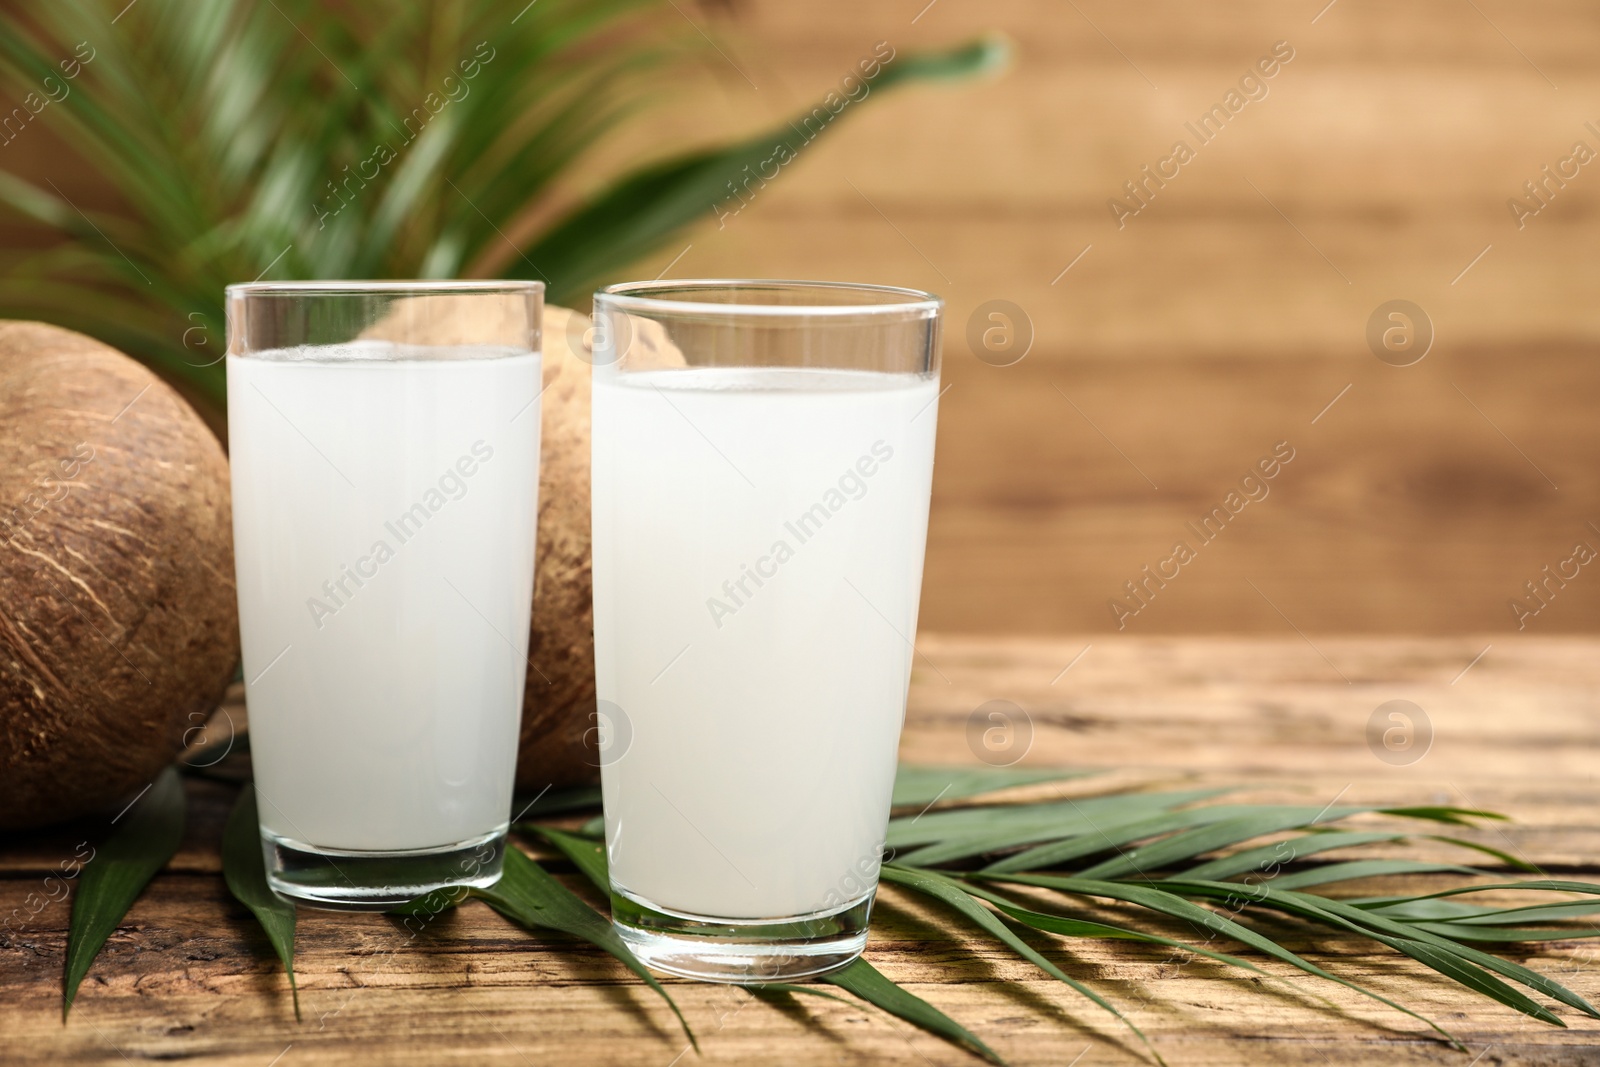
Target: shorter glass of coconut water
384,440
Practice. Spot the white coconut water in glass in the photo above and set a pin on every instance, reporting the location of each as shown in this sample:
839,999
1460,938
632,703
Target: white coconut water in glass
384,500
758,547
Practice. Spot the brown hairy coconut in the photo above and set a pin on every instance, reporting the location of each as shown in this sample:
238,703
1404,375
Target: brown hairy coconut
559,702
558,712
558,696
118,622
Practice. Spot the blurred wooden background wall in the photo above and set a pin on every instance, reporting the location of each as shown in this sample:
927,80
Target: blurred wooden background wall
1228,314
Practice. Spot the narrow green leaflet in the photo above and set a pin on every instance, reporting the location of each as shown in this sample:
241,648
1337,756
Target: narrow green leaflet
1409,908
1488,850
641,210
1067,926
1059,817
1475,922
145,838
866,982
246,873
1515,971
1453,965
1211,837
1193,832
1444,813
527,895
1434,906
1280,853
587,854
918,784
955,896
1110,836
1167,903
953,835
1457,959
1539,885
1505,934
1346,872
431,904
558,801
982,55
771,989
1283,852
1528,913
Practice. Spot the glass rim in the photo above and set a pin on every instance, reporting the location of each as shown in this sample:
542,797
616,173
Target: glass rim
635,297
385,287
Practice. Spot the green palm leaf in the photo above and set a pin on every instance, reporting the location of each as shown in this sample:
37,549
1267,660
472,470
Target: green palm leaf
866,982
1162,830
1164,902
586,854
1193,832
953,896
950,835
638,214
1436,929
306,140
1379,927
244,869
1355,869
150,831
529,896
922,785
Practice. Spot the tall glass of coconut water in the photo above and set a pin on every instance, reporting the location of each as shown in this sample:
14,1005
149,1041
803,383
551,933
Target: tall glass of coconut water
384,439
763,455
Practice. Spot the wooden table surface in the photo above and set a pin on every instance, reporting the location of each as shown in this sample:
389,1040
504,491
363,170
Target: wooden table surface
188,976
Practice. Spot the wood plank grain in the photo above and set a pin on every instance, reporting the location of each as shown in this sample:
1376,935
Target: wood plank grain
1405,508
188,976
477,989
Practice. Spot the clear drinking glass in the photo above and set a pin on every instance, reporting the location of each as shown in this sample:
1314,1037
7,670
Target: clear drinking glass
384,439
763,456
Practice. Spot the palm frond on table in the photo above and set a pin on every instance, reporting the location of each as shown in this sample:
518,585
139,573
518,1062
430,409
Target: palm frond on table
1182,870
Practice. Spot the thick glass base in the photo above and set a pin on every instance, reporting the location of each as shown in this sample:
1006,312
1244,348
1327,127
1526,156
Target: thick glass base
377,881
741,951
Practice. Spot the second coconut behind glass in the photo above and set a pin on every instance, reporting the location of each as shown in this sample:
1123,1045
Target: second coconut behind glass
763,458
